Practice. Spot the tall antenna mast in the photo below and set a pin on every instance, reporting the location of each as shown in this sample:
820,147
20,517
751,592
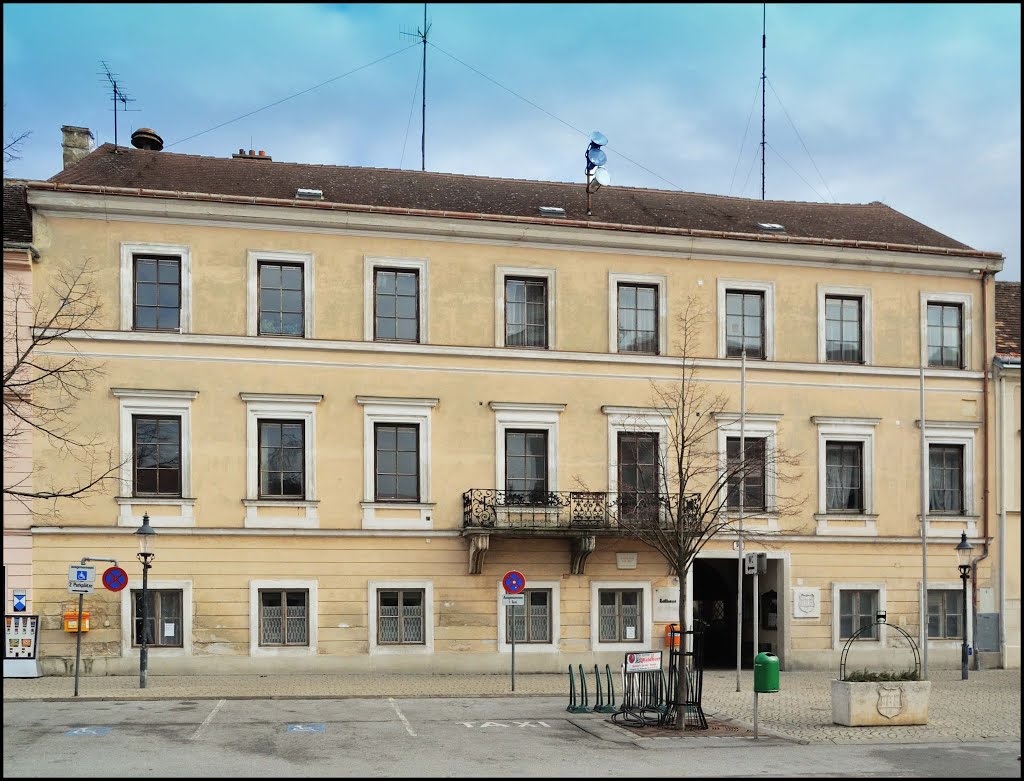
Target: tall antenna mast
764,40
422,35
117,94
423,132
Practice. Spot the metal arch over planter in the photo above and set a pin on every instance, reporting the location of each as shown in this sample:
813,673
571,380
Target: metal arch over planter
881,616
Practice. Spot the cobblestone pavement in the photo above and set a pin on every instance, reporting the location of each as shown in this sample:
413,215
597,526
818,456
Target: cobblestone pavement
987,706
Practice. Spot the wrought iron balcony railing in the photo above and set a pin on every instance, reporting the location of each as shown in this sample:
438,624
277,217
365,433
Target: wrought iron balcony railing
562,510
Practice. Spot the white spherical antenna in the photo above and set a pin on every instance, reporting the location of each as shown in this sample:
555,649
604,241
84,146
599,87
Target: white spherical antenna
603,177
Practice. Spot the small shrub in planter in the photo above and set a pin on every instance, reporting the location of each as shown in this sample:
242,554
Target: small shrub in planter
864,676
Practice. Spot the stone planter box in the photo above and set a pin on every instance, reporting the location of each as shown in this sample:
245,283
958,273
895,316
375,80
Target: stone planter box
881,703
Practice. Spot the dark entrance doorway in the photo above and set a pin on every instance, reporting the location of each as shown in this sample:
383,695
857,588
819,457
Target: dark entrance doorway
714,611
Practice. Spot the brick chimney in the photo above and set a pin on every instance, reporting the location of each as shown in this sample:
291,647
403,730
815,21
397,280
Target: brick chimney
78,142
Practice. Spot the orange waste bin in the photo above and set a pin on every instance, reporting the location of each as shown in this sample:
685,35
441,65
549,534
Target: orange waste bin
672,636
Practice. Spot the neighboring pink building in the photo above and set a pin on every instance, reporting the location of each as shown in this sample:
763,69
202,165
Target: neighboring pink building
18,253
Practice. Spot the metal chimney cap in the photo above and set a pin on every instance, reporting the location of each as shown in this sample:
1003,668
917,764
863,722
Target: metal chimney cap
147,138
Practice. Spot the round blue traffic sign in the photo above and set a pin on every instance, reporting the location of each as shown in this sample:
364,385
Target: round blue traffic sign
514,582
115,578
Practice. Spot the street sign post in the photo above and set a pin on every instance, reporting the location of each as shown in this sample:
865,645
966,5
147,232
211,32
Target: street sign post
81,581
514,582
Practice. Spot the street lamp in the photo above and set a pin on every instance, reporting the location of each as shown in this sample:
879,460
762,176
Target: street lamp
145,534
963,555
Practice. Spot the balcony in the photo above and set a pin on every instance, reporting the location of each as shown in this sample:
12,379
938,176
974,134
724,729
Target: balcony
579,516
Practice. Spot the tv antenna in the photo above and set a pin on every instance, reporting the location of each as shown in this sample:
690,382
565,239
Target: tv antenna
117,94
422,35
597,174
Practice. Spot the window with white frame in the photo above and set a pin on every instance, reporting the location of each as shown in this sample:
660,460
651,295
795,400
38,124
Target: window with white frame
536,624
951,477
168,625
162,624
637,313
945,614
395,299
620,615
758,427
283,617
857,609
844,324
280,460
846,479
400,616
855,605
156,287
946,329
526,446
524,307
746,319
396,462
156,462
279,293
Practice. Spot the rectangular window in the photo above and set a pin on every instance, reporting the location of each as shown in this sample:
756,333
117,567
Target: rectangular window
620,618
638,475
397,460
157,304
945,335
281,299
162,623
284,617
946,479
530,623
844,476
156,448
638,318
526,465
857,609
744,324
282,459
843,333
396,305
400,617
526,312
753,483
945,614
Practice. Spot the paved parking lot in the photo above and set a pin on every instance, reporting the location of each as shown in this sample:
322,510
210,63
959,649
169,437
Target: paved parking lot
985,707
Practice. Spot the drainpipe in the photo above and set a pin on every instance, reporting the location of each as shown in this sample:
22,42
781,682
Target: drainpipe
987,373
1001,508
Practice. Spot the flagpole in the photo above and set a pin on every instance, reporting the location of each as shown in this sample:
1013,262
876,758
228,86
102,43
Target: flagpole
739,547
923,629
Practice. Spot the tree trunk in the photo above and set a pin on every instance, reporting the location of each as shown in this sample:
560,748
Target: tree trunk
682,682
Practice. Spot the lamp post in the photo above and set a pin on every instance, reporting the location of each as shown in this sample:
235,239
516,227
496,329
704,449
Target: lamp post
963,555
145,534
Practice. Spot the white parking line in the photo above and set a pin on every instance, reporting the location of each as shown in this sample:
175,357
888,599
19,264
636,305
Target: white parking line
207,720
401,715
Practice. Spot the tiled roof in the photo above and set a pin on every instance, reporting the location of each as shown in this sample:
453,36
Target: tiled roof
1008,318
503,198
17,217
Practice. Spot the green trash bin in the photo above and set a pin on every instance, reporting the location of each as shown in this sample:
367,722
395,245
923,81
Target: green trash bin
766,672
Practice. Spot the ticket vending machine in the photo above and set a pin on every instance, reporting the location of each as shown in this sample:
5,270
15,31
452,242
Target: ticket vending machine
22,635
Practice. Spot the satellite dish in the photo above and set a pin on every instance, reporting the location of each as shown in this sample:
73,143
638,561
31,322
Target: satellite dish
598,138
596,156
602,176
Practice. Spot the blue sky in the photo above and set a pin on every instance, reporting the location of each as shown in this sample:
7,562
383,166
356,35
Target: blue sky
917,106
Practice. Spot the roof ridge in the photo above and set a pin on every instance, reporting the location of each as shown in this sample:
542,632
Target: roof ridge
108,146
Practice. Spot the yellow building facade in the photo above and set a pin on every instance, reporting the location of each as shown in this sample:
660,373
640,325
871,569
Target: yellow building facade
327,412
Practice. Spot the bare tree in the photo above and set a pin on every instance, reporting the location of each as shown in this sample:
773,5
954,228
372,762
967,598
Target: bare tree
12,145
677,496
44,378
